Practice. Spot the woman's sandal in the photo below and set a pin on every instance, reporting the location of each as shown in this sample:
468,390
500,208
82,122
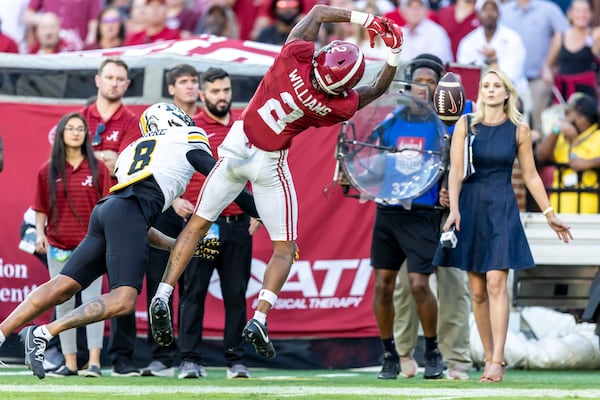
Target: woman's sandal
490,377
486,368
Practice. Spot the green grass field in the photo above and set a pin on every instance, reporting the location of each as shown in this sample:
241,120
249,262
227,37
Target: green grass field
269,384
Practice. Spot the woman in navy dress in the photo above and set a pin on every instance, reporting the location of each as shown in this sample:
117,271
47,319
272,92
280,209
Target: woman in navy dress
485,214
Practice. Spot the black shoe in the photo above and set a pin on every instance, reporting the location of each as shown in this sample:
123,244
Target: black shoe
160,322
390,368
93,371
257,334
434,365
124,369
34,351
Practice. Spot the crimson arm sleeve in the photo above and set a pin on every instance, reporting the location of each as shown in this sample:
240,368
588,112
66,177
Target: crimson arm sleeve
204,162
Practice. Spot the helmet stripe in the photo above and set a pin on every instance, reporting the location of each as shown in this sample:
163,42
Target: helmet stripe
143,123
322,83
350,75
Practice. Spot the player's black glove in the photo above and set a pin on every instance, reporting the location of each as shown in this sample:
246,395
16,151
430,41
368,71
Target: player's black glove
207,249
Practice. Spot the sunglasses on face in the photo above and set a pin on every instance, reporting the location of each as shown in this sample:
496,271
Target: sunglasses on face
109,20
98,135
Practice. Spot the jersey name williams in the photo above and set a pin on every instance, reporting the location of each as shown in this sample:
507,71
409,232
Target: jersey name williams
307,99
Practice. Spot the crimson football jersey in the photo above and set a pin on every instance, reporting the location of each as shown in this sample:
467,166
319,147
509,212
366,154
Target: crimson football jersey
286,103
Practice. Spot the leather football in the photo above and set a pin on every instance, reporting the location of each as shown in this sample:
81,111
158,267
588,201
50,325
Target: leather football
449,98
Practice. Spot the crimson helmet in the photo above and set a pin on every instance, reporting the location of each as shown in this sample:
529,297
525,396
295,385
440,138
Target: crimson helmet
338,66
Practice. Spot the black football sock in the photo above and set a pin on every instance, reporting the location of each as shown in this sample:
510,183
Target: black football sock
431,344
389,346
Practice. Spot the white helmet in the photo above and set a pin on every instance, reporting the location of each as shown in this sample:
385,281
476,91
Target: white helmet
162,116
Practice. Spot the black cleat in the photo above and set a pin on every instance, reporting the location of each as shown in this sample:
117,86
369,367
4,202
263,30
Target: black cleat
434,366
34,351
160,322
257,334
390,368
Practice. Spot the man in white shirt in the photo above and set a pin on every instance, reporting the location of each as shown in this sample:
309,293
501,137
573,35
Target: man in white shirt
421,33
495,45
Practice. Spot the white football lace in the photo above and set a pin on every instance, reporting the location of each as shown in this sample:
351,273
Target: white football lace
442,101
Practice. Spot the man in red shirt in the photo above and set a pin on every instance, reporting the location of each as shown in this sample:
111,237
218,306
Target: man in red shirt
155,25
112,125
300,90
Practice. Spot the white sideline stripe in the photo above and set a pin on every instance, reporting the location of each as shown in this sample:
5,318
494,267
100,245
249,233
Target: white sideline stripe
447,393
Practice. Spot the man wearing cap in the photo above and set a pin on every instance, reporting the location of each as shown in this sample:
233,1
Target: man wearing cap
422,33
575,142
495,45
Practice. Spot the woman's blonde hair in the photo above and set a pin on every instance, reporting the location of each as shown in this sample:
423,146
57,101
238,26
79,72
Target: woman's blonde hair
510,104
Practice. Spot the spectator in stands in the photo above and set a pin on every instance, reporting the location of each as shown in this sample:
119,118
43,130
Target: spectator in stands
362,40
82,21
48,39
572,62
458,19
113,127
124,6
484,210
422,33
397,14
68,187
181,17
241,19
7,44
134,22
219,21
110,31
231,231
287,13
536,21
495,45
574,143
384,6
155,25
11,16
266,15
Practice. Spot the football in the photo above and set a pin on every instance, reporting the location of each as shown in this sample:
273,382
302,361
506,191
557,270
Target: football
449,98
